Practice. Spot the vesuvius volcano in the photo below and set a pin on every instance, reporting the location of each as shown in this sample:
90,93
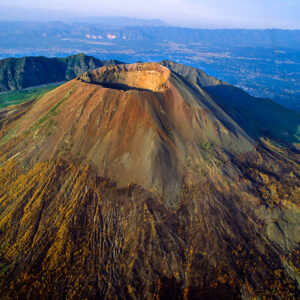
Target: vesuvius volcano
146,181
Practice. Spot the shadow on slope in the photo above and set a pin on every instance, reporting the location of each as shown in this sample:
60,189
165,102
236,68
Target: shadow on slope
258,116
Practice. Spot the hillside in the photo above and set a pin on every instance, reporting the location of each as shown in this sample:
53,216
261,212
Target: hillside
193,74
132,182
259,117
20,73
16,97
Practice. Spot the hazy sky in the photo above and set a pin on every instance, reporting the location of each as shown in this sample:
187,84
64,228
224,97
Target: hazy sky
192,13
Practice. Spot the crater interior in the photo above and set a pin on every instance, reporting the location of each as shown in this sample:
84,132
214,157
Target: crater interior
138,76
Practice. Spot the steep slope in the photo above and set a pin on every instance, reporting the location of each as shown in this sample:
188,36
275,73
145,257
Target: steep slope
130,181
19,73
257,116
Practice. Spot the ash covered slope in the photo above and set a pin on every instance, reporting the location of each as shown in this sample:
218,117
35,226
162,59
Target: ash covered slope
131,182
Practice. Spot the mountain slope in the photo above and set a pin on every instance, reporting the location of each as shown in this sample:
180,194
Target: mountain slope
130,181
193,74
257,116
262,117
20,73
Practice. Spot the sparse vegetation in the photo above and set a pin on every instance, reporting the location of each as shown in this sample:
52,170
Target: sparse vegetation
22,96
7,137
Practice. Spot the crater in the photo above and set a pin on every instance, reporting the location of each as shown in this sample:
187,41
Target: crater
138,76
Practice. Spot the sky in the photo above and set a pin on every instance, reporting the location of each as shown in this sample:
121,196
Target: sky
187,13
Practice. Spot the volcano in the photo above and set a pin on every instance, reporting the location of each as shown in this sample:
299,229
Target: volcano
137,181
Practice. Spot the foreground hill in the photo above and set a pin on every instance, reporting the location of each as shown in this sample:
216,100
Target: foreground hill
131,181
20,73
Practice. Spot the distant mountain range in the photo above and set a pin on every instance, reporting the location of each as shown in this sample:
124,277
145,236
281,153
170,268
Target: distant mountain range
44,15
132,30
120,21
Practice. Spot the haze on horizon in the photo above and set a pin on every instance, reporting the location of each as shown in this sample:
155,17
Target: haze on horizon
188,13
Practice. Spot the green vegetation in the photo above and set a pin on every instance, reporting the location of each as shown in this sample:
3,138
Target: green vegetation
3,269
173,201
7,137
208,153
22,96
25,72
206,147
